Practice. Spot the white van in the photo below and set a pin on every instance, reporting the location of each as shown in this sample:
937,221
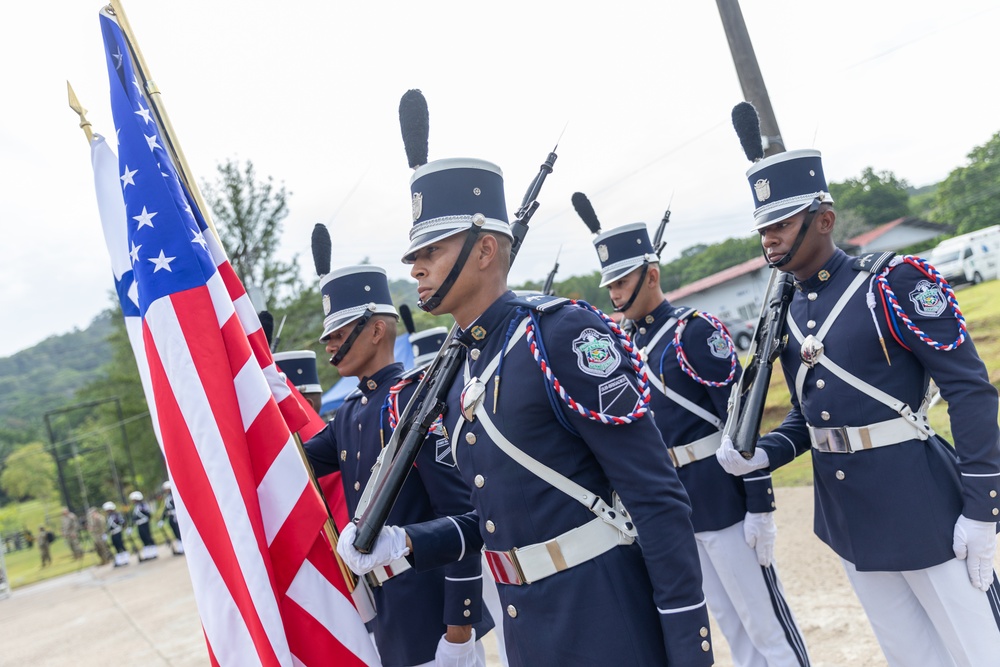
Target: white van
969,258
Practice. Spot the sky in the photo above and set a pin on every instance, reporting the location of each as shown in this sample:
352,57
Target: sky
640,93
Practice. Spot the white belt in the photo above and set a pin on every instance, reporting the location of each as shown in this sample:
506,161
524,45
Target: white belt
386,572
525,565
849,439
695,451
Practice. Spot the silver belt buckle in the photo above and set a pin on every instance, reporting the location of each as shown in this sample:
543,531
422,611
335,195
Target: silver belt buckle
834,440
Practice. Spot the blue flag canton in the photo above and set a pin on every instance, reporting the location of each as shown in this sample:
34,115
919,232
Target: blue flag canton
167,236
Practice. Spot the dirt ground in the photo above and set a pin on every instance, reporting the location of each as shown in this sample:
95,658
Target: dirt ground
145,614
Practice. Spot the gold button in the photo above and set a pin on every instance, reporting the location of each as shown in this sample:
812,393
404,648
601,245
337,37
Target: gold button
840,474
703,632
995,511
642,330
357,486
467,613
705,646
820,383
467,602
512,611
811,323
474,353
470,438
825,416
343,455
993,494
480,481
770,491
812,296
491,527
364,400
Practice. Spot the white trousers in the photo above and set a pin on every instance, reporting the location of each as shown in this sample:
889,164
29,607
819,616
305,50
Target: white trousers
931,617
748,602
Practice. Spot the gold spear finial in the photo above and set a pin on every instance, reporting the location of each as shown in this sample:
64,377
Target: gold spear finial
75,105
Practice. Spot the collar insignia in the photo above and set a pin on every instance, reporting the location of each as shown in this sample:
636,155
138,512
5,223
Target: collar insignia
478,333
823,275
649,319
372,385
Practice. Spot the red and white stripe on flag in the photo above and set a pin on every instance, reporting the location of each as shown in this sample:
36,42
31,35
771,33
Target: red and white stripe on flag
267,585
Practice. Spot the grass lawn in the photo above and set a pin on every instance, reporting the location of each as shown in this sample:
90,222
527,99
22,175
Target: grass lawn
25,566
980,305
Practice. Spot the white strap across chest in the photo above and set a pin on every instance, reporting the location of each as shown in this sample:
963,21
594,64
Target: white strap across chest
915,419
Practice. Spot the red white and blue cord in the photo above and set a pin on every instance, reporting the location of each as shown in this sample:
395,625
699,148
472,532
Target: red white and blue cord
682,359
928,270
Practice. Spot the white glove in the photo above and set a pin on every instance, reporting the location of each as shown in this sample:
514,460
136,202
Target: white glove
389,546
128,532
159,524
734,463
457,655
975,542
759,531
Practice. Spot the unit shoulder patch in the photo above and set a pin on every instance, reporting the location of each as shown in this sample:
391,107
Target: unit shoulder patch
617,396
718,345
928,299
596,353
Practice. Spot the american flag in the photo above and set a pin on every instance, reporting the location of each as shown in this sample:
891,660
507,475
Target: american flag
268,588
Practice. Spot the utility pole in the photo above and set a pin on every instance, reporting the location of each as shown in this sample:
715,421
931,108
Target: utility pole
748,71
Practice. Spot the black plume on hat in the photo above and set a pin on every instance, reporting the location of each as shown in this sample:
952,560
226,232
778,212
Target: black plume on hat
414,122
321,249
747,124
267,324
586,211
407,317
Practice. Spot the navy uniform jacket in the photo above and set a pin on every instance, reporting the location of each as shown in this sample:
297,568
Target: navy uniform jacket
718,499
116,523
413,607
169,511
628,606
892,508
141,513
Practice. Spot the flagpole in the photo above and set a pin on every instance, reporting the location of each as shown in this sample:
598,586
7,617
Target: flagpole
75,105
116,11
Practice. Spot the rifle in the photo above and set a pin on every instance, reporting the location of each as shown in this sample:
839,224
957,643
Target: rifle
547,288
746,403
658,243
427,402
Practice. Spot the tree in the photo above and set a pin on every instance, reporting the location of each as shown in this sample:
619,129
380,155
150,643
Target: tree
30,473
876,197
968,198
248,214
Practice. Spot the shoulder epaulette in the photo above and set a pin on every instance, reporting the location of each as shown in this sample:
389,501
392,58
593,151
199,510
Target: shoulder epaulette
540,302
353,396
873,262
413,373
683,312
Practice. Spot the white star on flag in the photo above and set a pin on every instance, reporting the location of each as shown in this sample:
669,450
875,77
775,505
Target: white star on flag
161,262
118,59
199,238
135,82
144,218
127,177
134,253
144,112
152,142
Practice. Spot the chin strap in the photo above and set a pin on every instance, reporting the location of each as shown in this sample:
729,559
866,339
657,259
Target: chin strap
635,292
813,209
478,220
346,347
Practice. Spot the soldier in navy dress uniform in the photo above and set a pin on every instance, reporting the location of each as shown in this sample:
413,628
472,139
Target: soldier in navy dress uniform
116,525
299,366
426,344
912,518
691,363
169,515
141,516
576,587
423,618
